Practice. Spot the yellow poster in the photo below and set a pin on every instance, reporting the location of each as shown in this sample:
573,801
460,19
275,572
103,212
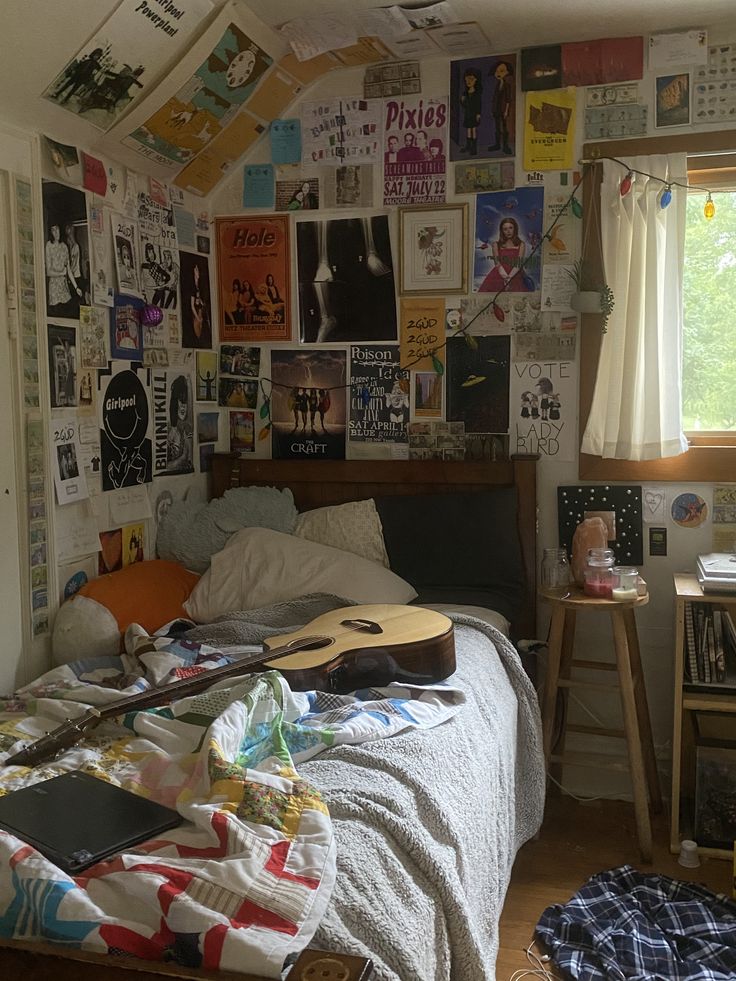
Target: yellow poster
208,168
422,332
277,92
549,129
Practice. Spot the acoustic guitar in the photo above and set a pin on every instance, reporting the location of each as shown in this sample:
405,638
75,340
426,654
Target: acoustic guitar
352,647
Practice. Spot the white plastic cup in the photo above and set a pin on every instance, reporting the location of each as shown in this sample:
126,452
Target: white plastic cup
689,857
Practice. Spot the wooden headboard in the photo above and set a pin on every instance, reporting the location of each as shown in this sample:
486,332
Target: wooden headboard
325,482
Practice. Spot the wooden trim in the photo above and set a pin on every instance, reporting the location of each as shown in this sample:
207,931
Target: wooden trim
712,457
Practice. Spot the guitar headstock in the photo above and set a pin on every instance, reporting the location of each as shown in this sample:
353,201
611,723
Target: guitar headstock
54,742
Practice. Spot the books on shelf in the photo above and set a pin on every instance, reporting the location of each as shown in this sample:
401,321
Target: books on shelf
710,647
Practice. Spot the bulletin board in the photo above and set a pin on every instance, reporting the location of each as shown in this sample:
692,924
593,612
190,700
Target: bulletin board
620,508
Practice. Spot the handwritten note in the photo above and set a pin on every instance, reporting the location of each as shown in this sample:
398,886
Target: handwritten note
69,477
422,332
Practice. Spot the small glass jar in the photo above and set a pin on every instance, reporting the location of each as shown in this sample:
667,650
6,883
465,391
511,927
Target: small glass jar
597,576
625,583
556,574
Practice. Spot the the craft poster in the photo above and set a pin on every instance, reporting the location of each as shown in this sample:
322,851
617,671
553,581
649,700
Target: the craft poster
308,404
125,429
254,277
478,383
196,309
102,268
159,254
337,131
132,544
508,226
415,151
66,252
69,476
483,107
422,333
235,359
205,105
242,433
236,393
126,337
121,59
379,396
62,366
297,195
173,421
206,376
125,238
346,280
549,130
544,408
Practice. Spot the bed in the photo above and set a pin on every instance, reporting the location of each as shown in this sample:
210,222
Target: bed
427,823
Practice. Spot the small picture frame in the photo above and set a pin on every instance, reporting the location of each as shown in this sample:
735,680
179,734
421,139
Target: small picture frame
433,249
672,100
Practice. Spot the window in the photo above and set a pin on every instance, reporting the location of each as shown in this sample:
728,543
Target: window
712,453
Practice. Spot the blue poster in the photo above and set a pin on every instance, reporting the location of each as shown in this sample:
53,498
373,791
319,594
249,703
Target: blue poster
258,186
286,141
508,228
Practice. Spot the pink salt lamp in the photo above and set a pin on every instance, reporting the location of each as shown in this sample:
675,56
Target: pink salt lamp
590,533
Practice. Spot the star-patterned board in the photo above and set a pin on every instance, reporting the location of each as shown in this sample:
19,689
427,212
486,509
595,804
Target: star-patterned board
575,503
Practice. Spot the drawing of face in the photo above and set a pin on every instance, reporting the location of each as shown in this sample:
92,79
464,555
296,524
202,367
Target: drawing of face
240,68
453,319
471,81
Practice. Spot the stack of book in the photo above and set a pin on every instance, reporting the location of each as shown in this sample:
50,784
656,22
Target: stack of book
710,646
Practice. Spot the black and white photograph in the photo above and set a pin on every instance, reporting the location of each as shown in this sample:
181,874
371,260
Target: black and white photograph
125,237
66,250
62,366
379,397
196,309
346,280
125,439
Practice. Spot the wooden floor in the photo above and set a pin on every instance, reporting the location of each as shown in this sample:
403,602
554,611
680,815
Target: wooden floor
577,840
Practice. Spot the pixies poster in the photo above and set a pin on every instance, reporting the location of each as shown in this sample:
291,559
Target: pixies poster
415,151
308,404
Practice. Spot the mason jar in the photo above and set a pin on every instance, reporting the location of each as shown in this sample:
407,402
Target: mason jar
556,574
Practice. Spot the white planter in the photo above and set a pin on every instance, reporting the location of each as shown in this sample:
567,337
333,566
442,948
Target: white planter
589,301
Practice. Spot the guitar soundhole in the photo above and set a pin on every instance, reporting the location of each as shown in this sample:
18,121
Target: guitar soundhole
312,643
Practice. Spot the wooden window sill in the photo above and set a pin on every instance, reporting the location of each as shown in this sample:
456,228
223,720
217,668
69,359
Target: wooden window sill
701,464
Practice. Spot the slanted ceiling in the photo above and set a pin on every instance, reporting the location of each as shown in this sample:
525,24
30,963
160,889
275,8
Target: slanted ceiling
39,37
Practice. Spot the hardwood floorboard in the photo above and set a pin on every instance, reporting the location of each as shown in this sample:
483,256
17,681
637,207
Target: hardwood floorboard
576,841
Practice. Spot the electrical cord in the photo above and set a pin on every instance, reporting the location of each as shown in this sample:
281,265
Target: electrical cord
537,968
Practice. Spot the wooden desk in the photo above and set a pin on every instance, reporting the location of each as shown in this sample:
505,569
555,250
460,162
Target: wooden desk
637,729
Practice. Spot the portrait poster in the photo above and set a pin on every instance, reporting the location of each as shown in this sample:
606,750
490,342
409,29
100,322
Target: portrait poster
544,408
173,421
122,59
125,243
379,400
549,130
236,393
508,225
204,105
206,376
478,383
126,336
159,255
254,278
483,107
308,404
62,366
125,427
415,151
93,337
133,547
345,273
66,250
196,308
69,476
102,268
297,195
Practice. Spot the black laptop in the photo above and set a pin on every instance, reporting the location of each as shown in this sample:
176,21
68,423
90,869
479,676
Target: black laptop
76,819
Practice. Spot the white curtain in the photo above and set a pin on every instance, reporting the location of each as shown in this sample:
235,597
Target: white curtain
636,412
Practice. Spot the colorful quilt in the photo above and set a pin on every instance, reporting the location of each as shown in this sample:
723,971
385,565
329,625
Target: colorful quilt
243,883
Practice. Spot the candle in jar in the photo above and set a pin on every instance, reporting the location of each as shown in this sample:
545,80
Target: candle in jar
621,593
597,587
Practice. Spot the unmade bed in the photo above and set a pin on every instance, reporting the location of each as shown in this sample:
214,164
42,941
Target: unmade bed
425,824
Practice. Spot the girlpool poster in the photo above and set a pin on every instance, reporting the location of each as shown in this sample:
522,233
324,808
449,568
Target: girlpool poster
508,227
254,278
483,107
308,404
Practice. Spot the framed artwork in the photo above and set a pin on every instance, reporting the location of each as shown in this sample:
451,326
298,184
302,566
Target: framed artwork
433,249
254,278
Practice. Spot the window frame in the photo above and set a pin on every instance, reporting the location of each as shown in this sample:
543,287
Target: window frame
711,456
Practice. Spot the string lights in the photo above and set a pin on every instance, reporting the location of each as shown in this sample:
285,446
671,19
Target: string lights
573,204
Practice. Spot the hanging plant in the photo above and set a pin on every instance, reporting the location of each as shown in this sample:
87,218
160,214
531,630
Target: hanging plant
590,296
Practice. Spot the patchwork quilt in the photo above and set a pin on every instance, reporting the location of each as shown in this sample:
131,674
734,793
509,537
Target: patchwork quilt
244,882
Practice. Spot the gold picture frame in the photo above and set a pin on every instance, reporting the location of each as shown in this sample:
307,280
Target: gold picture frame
433,249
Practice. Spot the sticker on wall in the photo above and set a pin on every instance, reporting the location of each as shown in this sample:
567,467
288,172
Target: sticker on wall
654,505
689,510
724,519
657,541
575,503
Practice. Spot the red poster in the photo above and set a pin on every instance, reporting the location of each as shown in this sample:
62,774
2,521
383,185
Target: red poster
254,278
94,177
603,62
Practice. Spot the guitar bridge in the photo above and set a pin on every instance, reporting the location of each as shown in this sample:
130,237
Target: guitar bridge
365,626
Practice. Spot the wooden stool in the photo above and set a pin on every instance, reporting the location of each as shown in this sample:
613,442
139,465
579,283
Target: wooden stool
637,727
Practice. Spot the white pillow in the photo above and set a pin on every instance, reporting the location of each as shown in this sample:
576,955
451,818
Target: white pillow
259,566
352,527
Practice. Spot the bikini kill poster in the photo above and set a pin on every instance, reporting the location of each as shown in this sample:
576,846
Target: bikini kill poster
543,408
